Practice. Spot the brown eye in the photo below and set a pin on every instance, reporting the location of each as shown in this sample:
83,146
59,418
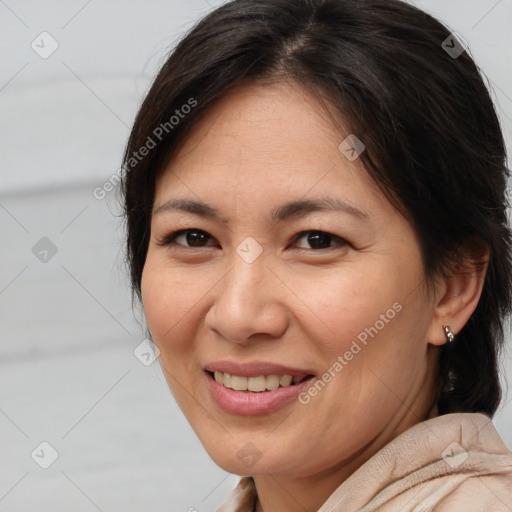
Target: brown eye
319,240
187,238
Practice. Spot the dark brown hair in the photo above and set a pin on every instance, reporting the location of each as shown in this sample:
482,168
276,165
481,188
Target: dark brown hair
433,141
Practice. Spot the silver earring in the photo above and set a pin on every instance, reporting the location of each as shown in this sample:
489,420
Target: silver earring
449,334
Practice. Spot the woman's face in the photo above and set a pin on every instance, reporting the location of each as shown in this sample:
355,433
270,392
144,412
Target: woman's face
260,291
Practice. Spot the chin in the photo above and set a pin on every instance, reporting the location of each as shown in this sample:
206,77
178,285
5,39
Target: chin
231,463
249,460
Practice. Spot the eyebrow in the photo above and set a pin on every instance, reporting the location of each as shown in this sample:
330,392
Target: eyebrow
287,211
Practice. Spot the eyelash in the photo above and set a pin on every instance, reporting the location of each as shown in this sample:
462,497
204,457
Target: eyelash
170,239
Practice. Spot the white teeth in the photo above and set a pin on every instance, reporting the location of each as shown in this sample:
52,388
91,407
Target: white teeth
272,382
256,384
285,380
239,383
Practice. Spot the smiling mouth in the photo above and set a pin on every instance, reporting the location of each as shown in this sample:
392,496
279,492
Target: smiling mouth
258,384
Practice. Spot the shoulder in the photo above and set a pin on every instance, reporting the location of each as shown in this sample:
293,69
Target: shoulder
488,493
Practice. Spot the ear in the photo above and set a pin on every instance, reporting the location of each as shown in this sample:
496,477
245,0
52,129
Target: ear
457,296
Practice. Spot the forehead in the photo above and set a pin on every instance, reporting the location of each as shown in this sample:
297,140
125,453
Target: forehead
261,144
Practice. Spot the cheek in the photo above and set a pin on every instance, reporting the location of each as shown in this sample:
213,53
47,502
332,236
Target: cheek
168,298
349,305
366,326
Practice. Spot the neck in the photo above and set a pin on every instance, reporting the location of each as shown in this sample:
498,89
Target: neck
305,494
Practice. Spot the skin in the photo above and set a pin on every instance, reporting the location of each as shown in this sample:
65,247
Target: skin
295,304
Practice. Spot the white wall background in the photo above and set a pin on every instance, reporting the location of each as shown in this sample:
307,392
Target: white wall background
68,375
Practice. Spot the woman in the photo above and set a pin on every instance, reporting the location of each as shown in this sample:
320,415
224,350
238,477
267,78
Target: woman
316,227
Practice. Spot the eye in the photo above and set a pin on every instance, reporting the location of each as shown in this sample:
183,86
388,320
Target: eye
187,237
319,240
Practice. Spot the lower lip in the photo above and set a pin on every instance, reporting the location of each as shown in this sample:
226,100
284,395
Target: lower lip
249,403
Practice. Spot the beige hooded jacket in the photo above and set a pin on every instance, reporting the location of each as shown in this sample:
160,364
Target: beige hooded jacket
451,463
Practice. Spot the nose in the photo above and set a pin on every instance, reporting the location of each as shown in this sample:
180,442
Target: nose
248,302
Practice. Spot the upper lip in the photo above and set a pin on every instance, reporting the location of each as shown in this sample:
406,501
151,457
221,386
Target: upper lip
254,369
